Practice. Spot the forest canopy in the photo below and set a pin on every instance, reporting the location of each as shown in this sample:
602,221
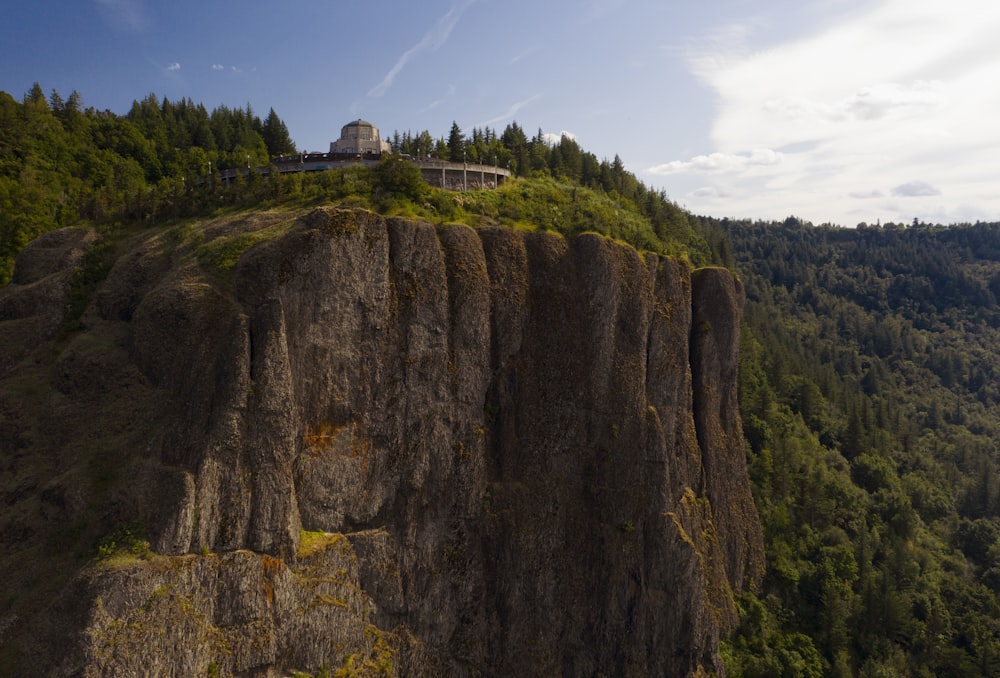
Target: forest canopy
61,163
870,396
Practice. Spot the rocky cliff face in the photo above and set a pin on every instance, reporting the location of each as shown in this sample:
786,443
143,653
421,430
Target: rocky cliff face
382,444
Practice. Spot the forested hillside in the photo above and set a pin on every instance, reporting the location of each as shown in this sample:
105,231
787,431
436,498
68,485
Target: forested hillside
61,163
871,403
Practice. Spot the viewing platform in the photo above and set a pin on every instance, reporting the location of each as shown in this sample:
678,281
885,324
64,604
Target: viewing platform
452,176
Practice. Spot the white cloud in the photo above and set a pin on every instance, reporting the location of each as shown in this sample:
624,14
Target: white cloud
913,189
708,192
901,88
553,139
218,67
871,102
721,162
174,67
433,39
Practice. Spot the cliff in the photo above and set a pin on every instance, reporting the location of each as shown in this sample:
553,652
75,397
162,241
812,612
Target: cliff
371,443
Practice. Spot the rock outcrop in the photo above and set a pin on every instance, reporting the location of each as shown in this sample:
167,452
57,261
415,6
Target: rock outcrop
408,448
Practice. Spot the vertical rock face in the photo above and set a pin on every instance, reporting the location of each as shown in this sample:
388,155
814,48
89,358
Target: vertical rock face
434,450
716,298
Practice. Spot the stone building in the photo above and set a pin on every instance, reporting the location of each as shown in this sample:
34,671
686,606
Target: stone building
360,137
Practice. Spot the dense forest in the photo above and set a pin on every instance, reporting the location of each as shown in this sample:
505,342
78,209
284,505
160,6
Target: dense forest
870,358
61,163
871,405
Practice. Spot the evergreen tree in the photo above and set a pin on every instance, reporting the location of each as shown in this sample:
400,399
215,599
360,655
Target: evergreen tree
276,136
456,144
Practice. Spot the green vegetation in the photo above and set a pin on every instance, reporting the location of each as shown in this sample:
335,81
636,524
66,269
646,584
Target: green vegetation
314,542
870,403
122,546
221,254
61,164
870,365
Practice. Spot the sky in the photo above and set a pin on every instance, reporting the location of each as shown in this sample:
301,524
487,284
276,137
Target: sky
834,111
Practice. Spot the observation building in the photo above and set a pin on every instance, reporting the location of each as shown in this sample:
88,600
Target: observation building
361,144
360,137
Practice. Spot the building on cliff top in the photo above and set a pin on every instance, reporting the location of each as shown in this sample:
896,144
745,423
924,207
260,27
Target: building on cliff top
361,144
361,137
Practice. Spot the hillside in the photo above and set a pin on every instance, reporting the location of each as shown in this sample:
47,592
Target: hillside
869,393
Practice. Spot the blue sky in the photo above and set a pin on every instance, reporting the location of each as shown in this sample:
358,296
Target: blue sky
835,111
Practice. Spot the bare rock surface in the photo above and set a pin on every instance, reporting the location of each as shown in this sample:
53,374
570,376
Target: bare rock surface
407,448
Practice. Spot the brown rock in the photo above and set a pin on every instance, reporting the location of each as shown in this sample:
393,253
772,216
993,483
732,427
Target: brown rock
520,455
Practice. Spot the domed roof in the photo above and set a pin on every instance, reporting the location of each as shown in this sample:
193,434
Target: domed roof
359,123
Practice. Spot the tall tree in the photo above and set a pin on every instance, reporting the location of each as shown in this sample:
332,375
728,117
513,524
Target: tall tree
276,136
456,144
516,142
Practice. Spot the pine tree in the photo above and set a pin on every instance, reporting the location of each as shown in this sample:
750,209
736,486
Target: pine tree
456,144
276,136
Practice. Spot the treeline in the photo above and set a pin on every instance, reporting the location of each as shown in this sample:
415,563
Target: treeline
871,405
562,160
61,162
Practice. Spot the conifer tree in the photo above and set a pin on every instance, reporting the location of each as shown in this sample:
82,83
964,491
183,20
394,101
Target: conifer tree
276,136
456,144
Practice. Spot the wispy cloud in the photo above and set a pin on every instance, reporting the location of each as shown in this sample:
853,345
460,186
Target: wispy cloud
520,56
866,195
512,111
898,89
720,162
218,68
709,193
124,14
174,67
434,39
437,102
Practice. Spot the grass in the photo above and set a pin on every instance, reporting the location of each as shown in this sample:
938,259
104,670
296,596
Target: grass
122,546
221,254
311,543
